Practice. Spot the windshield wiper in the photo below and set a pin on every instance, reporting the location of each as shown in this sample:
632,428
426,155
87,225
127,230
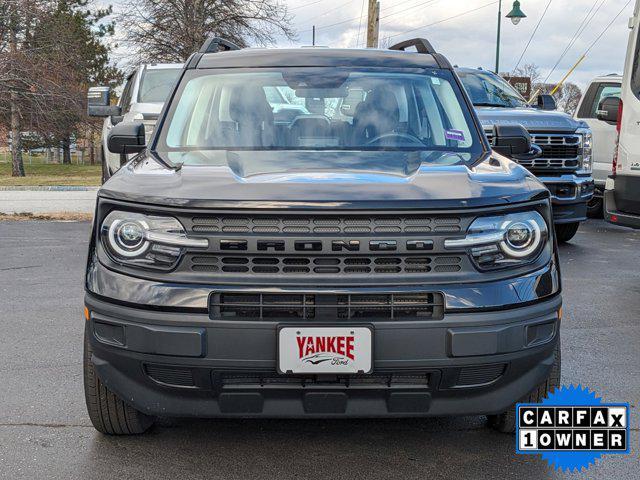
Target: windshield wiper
489,104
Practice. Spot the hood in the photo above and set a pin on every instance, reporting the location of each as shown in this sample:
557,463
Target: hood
375,180
530,118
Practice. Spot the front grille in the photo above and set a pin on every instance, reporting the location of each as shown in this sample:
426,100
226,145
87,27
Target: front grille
480,375
271,380
559,151
331,307
319,225
325,265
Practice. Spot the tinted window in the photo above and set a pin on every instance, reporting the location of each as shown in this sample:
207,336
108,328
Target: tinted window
156,84
386,111
603,92
489,90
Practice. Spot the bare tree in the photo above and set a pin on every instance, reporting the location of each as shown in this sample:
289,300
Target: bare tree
570,98
49,52
530,70
171,30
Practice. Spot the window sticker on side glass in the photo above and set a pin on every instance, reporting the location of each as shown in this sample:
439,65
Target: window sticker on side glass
457,135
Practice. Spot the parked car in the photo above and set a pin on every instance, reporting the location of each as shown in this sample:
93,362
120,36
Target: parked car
604,133
389,264
565,163
143,95
622,190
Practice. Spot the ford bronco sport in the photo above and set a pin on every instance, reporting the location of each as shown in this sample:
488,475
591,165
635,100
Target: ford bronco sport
373,260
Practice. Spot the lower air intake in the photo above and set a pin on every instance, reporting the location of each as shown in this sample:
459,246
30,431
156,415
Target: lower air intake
171,376
329,307
480,375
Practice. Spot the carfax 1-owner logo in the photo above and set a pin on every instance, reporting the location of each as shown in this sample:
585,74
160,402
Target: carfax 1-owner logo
572,428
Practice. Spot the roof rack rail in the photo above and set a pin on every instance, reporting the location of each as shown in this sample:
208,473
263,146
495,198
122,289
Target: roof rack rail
217,44
422,45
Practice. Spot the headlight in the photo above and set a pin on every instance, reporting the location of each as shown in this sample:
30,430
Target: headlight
511,240
146,240
587,149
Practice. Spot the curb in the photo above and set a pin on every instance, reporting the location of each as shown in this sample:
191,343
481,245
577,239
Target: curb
51,188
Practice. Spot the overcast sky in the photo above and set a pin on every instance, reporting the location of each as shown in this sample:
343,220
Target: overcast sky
465,31
470,38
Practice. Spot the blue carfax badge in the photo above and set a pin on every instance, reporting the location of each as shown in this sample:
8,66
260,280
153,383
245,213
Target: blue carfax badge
572,428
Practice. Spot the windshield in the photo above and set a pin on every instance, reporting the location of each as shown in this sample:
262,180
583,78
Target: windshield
489,90
156,84
319,109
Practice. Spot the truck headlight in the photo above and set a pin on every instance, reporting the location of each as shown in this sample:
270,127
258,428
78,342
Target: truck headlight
586,164
146,240
504,241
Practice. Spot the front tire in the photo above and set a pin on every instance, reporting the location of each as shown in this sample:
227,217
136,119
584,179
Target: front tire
595,207
566,231
108,413
506,421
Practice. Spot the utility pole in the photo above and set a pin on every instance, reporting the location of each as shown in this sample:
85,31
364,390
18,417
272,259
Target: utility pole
373,24
313,41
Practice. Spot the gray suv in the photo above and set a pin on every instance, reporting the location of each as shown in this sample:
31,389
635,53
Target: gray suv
380,260
564,164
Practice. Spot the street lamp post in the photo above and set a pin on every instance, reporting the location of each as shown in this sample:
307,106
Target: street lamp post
515,15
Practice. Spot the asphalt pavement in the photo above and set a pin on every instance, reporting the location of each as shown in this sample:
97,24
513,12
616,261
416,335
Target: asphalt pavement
45,432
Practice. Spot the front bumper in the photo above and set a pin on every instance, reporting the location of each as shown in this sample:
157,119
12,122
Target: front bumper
569,196
171,363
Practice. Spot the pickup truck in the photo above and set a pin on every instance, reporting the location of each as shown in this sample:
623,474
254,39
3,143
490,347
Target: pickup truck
564,165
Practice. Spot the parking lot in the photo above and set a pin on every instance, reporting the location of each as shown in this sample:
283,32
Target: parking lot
45,432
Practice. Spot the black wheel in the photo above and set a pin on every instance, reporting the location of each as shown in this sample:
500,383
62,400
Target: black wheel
595,207
566,231
108,413
105,168
506,421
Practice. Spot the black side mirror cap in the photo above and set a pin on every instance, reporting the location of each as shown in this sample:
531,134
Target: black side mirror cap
608,110
511,140
547,102
126,137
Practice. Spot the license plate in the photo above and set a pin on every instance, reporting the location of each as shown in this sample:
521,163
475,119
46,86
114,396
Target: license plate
319,350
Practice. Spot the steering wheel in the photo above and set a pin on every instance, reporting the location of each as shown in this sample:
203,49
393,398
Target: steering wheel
404,136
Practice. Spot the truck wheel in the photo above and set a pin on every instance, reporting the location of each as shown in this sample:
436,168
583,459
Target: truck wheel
566,231
105,167
107,412
506,421
595,207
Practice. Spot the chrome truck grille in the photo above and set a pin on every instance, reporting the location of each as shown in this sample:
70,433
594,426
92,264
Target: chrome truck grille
560,151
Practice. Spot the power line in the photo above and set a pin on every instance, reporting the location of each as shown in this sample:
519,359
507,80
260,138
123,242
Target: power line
607,27
381,17
581,28
532,35
306,5
360,22
444,20
324,13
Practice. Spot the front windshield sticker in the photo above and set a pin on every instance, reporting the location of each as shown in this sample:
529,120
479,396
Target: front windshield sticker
457,135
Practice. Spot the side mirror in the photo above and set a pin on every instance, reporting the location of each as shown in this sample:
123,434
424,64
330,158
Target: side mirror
98,103
511,140
126,137
608,110
547,102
